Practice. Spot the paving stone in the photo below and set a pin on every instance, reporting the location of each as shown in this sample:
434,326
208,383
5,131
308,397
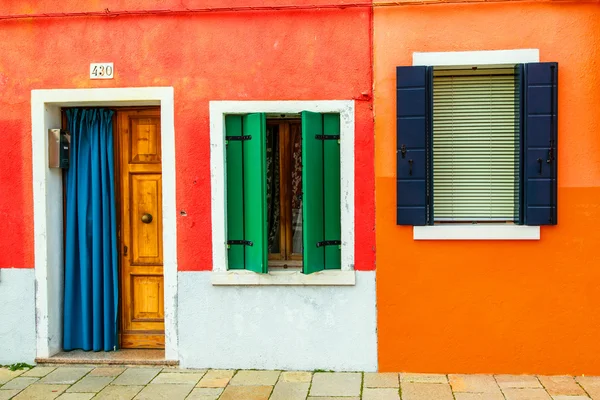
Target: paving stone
591,384
255,378
380,380
91,384
518,381
184,370
205,394
425,391
65,375
41,392
474,383
525,394
39,372
177,377
164,391
566,397
136,376
118,392
19,383
295,376
380,394
423,378
334,398
6,375
107,371
8,394
561,385
336,384
75,396
290,391
246,393
478,396
216,378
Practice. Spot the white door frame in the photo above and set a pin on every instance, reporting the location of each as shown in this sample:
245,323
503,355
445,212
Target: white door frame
47,205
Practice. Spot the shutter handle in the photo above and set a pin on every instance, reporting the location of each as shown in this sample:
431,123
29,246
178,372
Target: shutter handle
540,161
403,151
410,163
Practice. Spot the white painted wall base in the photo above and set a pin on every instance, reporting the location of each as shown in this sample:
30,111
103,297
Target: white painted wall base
277,327
17,316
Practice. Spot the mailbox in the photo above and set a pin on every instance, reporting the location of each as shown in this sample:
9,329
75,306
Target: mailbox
59,145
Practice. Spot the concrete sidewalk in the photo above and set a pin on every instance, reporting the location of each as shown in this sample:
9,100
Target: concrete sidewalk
79,383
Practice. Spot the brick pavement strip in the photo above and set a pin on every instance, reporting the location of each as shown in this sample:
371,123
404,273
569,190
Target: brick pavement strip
518,381
205,394
65,375
381,380
526,394
164,391
561,385
290,391
216,378
336,384
426,391
423,378
255,378
246,393
591,384
380,394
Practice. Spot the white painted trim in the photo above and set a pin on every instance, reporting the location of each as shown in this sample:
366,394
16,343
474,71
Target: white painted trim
478,58
47,193
476,232
283,278
218,110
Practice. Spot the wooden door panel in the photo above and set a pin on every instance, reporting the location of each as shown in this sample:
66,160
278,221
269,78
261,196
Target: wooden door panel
142,284
144,140
148,301
145,198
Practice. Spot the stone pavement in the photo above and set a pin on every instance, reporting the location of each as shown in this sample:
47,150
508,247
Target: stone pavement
82,383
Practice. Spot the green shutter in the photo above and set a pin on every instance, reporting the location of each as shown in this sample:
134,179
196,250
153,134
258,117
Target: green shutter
246,192
321,191
474,142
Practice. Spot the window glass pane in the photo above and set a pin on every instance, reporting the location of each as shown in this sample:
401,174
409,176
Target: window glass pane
273,199
475,145
296,141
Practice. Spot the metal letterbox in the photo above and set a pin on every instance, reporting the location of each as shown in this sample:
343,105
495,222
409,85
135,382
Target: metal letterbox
59,144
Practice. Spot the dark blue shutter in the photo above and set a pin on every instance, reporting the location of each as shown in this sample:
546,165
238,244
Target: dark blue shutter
540,108
413,129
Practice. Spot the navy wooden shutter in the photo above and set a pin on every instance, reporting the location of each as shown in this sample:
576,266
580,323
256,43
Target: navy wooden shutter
413,130
540,108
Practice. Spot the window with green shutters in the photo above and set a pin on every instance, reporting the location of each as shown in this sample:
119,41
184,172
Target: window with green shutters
247,214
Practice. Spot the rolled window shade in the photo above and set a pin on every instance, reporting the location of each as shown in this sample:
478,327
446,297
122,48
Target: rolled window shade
475,145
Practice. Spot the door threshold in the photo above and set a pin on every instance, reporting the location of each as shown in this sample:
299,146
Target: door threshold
119,357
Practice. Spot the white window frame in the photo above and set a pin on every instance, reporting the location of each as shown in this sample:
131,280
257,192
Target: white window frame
220,274
480,231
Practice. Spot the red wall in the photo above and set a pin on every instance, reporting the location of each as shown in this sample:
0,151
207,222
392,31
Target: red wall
264,55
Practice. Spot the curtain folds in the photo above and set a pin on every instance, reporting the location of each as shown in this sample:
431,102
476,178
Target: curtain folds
91,269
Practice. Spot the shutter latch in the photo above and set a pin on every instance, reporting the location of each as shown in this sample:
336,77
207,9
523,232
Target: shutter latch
329,243
239,242
403,151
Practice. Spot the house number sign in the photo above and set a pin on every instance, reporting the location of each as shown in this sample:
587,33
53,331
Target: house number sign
102,71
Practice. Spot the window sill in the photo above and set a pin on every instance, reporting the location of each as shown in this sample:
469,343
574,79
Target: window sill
283,278
476,232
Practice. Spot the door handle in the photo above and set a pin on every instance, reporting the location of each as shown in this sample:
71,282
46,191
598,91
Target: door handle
146,218
125,249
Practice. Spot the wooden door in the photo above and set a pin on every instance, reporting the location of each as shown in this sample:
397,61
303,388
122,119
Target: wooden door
142,285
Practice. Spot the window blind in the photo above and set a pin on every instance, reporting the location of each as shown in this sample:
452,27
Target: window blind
475,146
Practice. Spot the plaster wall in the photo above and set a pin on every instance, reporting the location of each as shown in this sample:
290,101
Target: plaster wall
277,327
494,306
17,316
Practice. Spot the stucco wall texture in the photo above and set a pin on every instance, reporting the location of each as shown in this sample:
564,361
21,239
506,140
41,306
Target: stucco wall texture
307,54
518,307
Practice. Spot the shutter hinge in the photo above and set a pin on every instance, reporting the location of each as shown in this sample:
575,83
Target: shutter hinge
239,242
329,243
551,152
327,137
403,151
244,137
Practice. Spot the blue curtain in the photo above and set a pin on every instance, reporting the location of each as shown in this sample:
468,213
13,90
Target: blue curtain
91,273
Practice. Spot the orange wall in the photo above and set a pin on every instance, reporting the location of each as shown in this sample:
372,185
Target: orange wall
518,307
